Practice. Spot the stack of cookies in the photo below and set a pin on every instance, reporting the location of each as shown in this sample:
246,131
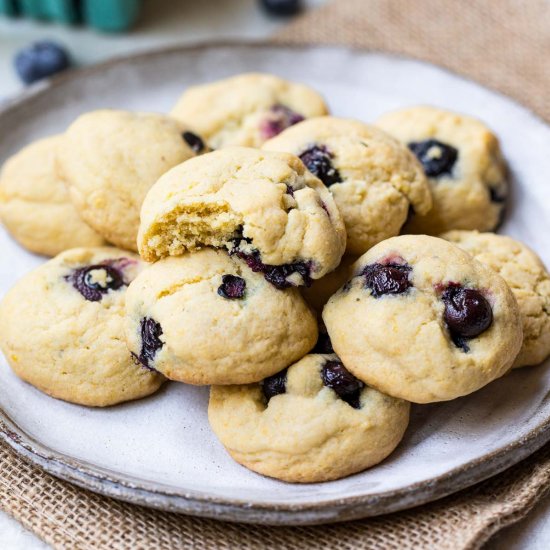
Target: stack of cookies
319,273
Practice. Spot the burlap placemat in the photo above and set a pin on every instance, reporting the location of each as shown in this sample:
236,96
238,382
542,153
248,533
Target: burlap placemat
70,518
504,44
501,43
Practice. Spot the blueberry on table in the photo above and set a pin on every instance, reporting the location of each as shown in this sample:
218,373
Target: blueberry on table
282,7
40,60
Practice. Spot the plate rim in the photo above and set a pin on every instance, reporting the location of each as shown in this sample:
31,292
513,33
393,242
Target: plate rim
193,502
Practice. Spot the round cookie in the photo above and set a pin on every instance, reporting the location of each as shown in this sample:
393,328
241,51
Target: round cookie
34,203
464,165
313,422
62,328
423,321
374,179
207,318
263,206
246,109
110,159
528,279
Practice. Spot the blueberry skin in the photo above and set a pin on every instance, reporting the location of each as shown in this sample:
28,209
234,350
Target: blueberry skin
282,7
40,60
435,166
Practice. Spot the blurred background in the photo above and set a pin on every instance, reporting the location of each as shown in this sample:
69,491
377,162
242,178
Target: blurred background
118,27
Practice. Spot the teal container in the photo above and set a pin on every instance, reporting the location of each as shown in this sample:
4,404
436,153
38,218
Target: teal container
104,15
111,15
8,7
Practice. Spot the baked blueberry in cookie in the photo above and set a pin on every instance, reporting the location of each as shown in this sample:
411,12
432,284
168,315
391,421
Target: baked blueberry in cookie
467,313
528,279
346,386
93,281
274,385
436,324
437,158
464,164
232,287
318,160
280,276
278,118
194,141
387,278
222,323
375,180
246,109
78,350
264,207
312,422
150,331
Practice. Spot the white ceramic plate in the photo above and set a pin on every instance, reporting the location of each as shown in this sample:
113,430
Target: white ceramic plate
160,451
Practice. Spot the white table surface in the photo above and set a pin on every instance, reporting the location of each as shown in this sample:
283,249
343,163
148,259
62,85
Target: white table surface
166,22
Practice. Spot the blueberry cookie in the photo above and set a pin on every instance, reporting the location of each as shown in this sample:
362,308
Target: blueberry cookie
528,279
110,159
263,206
422,320
62,328
34,203
207,318
312,422
246,109
374,179
464,165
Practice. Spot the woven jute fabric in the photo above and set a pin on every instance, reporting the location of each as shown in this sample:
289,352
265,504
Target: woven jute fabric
70,518
503,44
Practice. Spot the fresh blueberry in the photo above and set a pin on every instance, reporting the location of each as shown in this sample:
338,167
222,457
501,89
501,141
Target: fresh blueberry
282,7
40,60
467,313
437,158
232,287
274,385
151,331
278,119
194,141
94,281
318,160
387,278
346,386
